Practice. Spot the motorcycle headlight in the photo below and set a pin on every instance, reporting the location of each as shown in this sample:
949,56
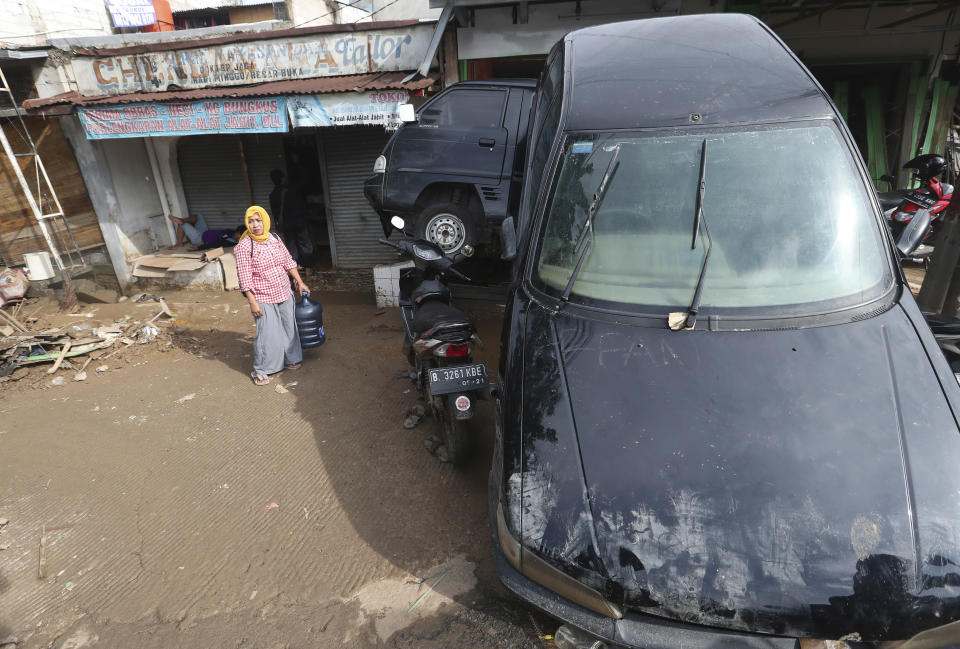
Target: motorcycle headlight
379,165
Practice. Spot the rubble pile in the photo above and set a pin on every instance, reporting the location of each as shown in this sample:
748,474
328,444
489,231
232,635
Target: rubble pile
24,345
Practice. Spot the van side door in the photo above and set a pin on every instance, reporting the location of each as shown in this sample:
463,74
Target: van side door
458,135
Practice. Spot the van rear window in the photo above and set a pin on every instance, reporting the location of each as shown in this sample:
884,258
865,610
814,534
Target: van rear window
790,220
465,108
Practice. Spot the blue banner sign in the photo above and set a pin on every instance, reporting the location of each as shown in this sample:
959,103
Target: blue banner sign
150,119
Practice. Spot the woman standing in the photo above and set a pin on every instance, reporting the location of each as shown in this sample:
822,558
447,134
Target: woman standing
263,265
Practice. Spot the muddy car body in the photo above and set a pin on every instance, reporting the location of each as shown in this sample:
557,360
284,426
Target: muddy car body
786,466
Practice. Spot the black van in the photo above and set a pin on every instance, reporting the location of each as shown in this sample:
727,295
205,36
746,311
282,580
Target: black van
454,172
721,418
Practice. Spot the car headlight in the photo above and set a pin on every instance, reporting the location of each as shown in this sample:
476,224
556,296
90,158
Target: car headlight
379,165
546,575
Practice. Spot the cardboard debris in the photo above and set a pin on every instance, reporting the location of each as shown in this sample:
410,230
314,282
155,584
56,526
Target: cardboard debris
210,255
164,265
141,268
231,281
187,264
162,262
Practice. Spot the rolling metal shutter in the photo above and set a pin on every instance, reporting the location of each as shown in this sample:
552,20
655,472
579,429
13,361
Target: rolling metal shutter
263,153
212,175
349,153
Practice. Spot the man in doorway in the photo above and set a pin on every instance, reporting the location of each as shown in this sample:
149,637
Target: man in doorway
289,207
190,227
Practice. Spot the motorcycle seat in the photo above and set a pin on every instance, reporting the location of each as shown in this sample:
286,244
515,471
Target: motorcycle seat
436,313
889,200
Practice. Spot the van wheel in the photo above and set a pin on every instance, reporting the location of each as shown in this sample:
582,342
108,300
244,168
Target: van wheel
448,225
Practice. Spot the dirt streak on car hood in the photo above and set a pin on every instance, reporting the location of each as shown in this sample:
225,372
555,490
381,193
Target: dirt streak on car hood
800,482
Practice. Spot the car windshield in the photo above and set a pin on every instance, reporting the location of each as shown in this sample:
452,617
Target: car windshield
791,223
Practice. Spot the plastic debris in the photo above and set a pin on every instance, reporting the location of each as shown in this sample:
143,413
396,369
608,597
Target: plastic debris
186,397
102,368
271,506
147,334
57,381
80,376
279,389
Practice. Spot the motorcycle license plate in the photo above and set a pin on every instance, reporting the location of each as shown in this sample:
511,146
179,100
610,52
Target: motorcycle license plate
458,378
921,200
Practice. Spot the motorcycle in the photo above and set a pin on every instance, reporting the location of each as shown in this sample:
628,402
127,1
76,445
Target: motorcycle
439,342
899,207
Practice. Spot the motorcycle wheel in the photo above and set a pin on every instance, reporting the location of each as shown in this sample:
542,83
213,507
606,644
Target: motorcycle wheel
456,436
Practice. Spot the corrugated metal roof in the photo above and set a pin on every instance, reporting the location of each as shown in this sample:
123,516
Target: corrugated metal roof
178,6
171,44
351,83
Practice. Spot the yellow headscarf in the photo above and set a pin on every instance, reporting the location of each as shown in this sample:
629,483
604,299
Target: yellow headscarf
262,213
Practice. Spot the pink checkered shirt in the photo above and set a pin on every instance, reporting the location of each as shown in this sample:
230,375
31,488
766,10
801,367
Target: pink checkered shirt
262,268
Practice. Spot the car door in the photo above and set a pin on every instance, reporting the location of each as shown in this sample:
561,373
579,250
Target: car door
460,133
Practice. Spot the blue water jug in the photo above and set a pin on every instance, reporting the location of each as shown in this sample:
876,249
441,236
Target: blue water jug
309,315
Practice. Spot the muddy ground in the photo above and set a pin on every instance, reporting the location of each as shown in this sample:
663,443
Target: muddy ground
185,507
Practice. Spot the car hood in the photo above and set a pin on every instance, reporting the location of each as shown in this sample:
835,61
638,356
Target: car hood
800,482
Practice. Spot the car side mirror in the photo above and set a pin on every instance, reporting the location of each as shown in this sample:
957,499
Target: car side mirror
508,240
909,240
406,113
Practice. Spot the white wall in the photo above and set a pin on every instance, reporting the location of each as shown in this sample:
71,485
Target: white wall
32,22
404,10
311,13
495,34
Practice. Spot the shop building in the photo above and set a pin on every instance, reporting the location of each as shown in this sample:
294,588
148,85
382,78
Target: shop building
196,126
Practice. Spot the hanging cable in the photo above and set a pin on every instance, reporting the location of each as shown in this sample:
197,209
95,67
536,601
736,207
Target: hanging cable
374,13
330,13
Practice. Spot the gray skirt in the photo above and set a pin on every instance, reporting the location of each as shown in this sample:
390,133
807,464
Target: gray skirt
277,342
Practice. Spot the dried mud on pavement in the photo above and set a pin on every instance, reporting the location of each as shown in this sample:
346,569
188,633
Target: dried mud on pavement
182,506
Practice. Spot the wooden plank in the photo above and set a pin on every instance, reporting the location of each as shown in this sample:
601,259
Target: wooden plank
945,115
912,116
876,142
63,354
841,97
937,279
936,105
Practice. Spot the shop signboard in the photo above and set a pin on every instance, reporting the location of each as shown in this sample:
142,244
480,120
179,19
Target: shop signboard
376,108
131,13
150,119
258,61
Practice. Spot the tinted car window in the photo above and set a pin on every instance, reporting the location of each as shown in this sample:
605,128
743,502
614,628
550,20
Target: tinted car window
465,109
788,226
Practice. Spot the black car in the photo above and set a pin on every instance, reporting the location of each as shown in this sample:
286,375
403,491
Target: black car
721,415
454,172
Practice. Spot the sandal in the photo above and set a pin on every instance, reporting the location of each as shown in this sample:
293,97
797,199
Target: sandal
294,366
259,379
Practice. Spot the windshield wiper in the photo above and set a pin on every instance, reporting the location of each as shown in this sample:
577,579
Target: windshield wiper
580,249
699,219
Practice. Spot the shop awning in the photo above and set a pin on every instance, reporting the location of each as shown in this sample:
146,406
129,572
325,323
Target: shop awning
64,103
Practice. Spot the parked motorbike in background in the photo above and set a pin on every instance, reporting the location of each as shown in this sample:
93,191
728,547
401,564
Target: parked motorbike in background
439,342
900,206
